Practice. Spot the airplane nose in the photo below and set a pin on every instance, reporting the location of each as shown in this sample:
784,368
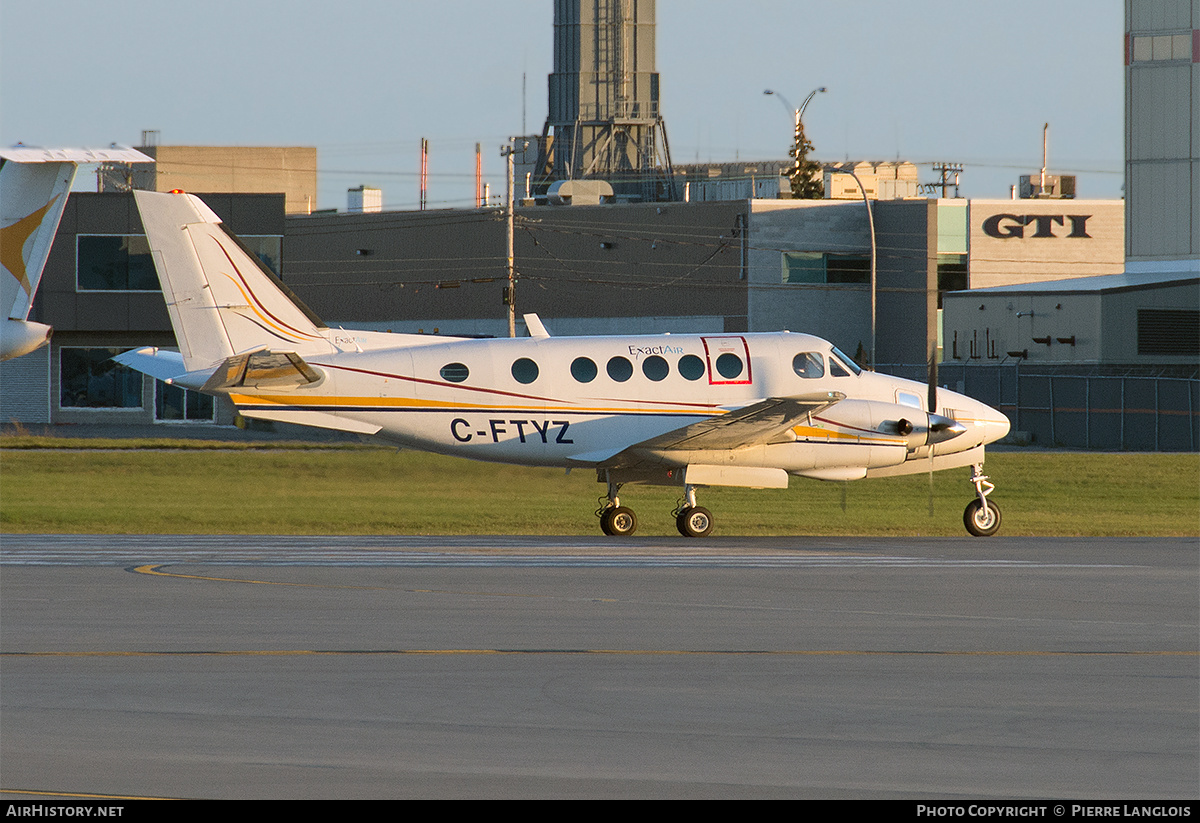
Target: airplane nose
996,425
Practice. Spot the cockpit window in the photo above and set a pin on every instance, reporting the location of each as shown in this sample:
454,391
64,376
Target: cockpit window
809,364
845,361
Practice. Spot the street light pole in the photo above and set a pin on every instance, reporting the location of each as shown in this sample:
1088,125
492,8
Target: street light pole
871,229
797,114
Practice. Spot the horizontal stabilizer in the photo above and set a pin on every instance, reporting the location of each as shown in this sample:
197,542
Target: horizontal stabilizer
264,370
166,366
162,365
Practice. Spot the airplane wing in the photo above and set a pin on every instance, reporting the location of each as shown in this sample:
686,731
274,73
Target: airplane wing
757,424
751,425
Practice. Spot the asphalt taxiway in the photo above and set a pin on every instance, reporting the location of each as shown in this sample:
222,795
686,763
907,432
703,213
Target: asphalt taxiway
186,666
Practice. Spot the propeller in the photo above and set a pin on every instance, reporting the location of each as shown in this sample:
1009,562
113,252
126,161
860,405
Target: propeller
932,377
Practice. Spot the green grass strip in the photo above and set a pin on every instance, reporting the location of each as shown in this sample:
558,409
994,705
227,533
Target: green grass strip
183,489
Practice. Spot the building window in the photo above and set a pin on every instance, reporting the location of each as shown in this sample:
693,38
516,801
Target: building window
268,248
951,274
804,267
122,262
114,263
89,379
174,403
1148,47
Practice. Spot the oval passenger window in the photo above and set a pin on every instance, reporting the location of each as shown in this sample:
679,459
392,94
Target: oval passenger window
524,370
455,372
729,365
620,369
691,367
583,369
655,368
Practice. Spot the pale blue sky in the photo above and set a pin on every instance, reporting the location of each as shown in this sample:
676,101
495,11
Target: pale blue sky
365,80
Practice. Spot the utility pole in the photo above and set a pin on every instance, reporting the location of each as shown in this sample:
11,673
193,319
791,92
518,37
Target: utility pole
510,294
478,177
424,171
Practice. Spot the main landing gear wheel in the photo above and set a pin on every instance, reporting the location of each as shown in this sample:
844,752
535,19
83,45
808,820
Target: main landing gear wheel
694,521
618,521
981,521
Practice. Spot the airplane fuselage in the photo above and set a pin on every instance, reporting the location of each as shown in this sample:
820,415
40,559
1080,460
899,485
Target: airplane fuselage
571,401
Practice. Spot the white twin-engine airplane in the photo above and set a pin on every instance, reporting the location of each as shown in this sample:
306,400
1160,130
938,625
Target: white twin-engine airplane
684,410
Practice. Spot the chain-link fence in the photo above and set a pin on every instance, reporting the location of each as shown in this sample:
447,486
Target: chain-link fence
1103,411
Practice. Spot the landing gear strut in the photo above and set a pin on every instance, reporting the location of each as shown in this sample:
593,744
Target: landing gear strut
982,517
690,519
615,520
620,521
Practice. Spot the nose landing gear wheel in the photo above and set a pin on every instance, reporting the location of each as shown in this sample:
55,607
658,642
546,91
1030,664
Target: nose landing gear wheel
982,522
618,521
694,521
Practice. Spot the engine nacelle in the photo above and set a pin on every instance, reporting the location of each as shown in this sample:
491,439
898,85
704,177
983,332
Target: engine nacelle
917,427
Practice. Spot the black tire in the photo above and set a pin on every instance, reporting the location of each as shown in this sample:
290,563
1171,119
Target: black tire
695,521
618,521
979,522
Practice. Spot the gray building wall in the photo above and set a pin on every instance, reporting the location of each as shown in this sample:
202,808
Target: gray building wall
906,274
584,269
1093,321
25,388
840,313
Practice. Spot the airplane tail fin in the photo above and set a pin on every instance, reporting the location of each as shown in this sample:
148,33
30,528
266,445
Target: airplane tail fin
32,197
34,185
222,301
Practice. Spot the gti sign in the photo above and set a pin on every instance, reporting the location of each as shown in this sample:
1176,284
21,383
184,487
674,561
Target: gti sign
1004,226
